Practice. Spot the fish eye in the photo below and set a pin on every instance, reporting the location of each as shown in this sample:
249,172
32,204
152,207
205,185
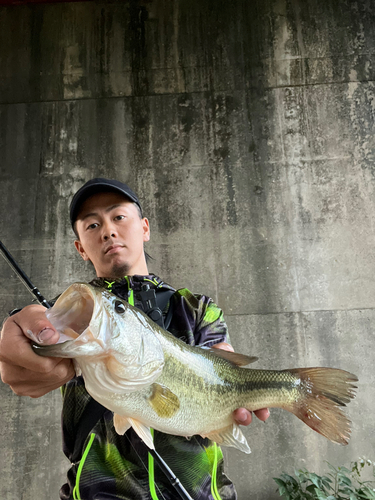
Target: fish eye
119,307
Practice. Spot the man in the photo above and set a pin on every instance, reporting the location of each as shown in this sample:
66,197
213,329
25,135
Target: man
107,219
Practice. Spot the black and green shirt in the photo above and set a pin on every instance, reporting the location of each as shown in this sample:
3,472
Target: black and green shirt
119,467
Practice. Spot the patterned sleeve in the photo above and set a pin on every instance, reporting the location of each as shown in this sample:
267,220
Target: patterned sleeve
199,319
211,327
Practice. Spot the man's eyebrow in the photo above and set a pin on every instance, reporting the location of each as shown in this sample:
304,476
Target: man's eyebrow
95,214
113,207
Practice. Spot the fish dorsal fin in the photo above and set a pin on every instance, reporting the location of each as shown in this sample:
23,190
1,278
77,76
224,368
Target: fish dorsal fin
121,424
234,357
163,401
230,436
143,432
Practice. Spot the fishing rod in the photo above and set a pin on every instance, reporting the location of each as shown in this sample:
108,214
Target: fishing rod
173,479
23,277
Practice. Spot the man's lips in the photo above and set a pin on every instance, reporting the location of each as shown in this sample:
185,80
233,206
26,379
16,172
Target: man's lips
113,248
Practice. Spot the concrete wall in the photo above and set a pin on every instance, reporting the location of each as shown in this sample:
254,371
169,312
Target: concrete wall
247,129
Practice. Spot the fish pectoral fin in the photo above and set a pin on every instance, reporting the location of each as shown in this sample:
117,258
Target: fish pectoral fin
234,357
143,432
163,401
230,436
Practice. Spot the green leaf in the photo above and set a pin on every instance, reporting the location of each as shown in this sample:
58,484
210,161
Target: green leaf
315,479
311,488
363,494
344,480
326,486
368,493
347,490
290,479
302,475
279,482
320,495
326,479
345,470
300,472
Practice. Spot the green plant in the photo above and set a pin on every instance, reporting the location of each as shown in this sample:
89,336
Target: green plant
339,484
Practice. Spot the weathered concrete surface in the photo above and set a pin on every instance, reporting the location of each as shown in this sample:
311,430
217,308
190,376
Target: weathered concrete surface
247,129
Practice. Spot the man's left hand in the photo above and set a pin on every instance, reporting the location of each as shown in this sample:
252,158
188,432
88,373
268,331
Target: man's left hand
242,416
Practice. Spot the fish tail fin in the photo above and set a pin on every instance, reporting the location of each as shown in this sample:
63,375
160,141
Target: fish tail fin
323,393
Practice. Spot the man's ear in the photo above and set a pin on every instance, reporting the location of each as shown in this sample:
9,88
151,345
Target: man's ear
81,250
146,229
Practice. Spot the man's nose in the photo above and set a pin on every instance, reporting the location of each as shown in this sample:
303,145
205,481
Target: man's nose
109,231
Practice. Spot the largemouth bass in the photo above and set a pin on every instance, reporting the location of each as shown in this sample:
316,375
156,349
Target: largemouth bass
148,378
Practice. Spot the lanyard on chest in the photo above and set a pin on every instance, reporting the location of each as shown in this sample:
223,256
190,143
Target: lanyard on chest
153,304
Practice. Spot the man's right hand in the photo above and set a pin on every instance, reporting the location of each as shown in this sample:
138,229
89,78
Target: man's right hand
25,372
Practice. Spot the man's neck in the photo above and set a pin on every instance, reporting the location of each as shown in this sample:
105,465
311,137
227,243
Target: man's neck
124,271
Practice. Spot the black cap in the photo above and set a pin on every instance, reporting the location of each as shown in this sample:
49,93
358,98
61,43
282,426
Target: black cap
99,185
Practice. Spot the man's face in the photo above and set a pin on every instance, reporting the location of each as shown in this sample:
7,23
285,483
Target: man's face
111,235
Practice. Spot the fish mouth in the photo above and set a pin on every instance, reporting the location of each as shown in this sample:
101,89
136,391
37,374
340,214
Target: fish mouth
72,312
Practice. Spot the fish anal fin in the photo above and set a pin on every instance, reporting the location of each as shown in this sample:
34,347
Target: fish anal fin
234,357
121,424
163,401
143,432
230,436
